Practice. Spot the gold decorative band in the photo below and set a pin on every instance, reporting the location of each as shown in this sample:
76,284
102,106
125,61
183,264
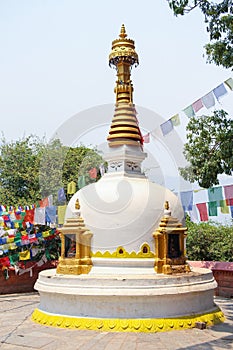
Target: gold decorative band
127,325
120,252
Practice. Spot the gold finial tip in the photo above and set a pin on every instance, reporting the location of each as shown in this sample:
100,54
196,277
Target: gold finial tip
123,32
77,205
167,211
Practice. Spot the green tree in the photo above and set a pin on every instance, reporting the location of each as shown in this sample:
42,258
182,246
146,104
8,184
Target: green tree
209,241
19,167
218,17
209,149
31,169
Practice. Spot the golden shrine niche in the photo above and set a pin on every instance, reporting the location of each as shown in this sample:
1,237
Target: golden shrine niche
75,256
170,239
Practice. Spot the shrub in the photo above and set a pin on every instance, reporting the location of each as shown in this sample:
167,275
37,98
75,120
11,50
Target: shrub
209,241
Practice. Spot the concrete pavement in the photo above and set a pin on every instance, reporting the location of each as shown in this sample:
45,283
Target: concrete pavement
18,332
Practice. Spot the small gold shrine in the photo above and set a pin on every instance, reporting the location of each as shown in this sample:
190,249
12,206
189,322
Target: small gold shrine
75,256
170,245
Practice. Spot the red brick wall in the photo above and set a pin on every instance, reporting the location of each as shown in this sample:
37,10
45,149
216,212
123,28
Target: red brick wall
22,283
225,283
223,274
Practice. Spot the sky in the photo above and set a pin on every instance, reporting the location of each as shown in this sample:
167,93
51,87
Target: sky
54,60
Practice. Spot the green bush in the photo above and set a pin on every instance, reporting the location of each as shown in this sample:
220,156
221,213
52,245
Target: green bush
209,241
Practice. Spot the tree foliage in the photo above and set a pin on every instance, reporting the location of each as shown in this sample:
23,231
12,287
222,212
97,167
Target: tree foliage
209,149
218,17
19,167
32,169
209,242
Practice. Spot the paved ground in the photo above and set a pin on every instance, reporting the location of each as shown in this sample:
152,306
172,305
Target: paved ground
18,332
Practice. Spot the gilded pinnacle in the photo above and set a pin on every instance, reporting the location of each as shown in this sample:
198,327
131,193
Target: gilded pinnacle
124,129
123,32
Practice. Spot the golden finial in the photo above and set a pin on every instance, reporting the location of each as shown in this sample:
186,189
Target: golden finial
123,32
166,205
77,205
124,128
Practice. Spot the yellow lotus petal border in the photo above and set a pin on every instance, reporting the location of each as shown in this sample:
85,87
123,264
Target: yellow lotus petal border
127,325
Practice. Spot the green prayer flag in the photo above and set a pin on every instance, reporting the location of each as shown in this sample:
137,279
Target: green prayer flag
213,209
14,258
215,194
81,181
189,111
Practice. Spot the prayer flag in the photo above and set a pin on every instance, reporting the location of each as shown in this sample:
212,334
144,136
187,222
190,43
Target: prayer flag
208,100
187,200
61,195
29,217
231,211
220,91
25,255
5,262
213,209
197,105
228,190
229,201
39,216
215,194
50,214
93,173
44,203
202,211
71,187
224,207
146,138
175,120
166,127
61,210
189,111
229,83
81,181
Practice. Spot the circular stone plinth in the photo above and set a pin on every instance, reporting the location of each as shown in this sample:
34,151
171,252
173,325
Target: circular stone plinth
127,302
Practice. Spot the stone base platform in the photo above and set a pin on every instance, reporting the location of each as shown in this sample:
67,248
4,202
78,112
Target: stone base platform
126,302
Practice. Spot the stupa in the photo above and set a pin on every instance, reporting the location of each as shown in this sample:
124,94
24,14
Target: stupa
123,261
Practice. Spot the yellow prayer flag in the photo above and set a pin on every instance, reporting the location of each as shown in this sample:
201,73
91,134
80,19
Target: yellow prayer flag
45,234
71,187
12,246
175,120
224,207
24,255
61,210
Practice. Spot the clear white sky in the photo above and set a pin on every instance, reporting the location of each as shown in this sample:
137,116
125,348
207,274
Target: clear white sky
54,60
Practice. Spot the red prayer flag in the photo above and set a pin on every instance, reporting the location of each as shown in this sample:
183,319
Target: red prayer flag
29,217
5,262
44,203
197,105
202,208
228,190
93,173
229,202
146,138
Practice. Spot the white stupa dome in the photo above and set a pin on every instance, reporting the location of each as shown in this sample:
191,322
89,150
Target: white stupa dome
123,211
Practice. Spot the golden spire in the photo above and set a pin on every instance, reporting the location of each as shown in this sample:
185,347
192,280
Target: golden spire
124,128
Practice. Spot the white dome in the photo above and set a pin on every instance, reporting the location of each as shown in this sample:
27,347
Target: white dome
123,211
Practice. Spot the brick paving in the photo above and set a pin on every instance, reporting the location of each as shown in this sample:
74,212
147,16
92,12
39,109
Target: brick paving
18,332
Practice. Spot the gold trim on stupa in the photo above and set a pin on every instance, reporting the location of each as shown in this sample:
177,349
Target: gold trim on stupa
75,256
170,236
124,129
